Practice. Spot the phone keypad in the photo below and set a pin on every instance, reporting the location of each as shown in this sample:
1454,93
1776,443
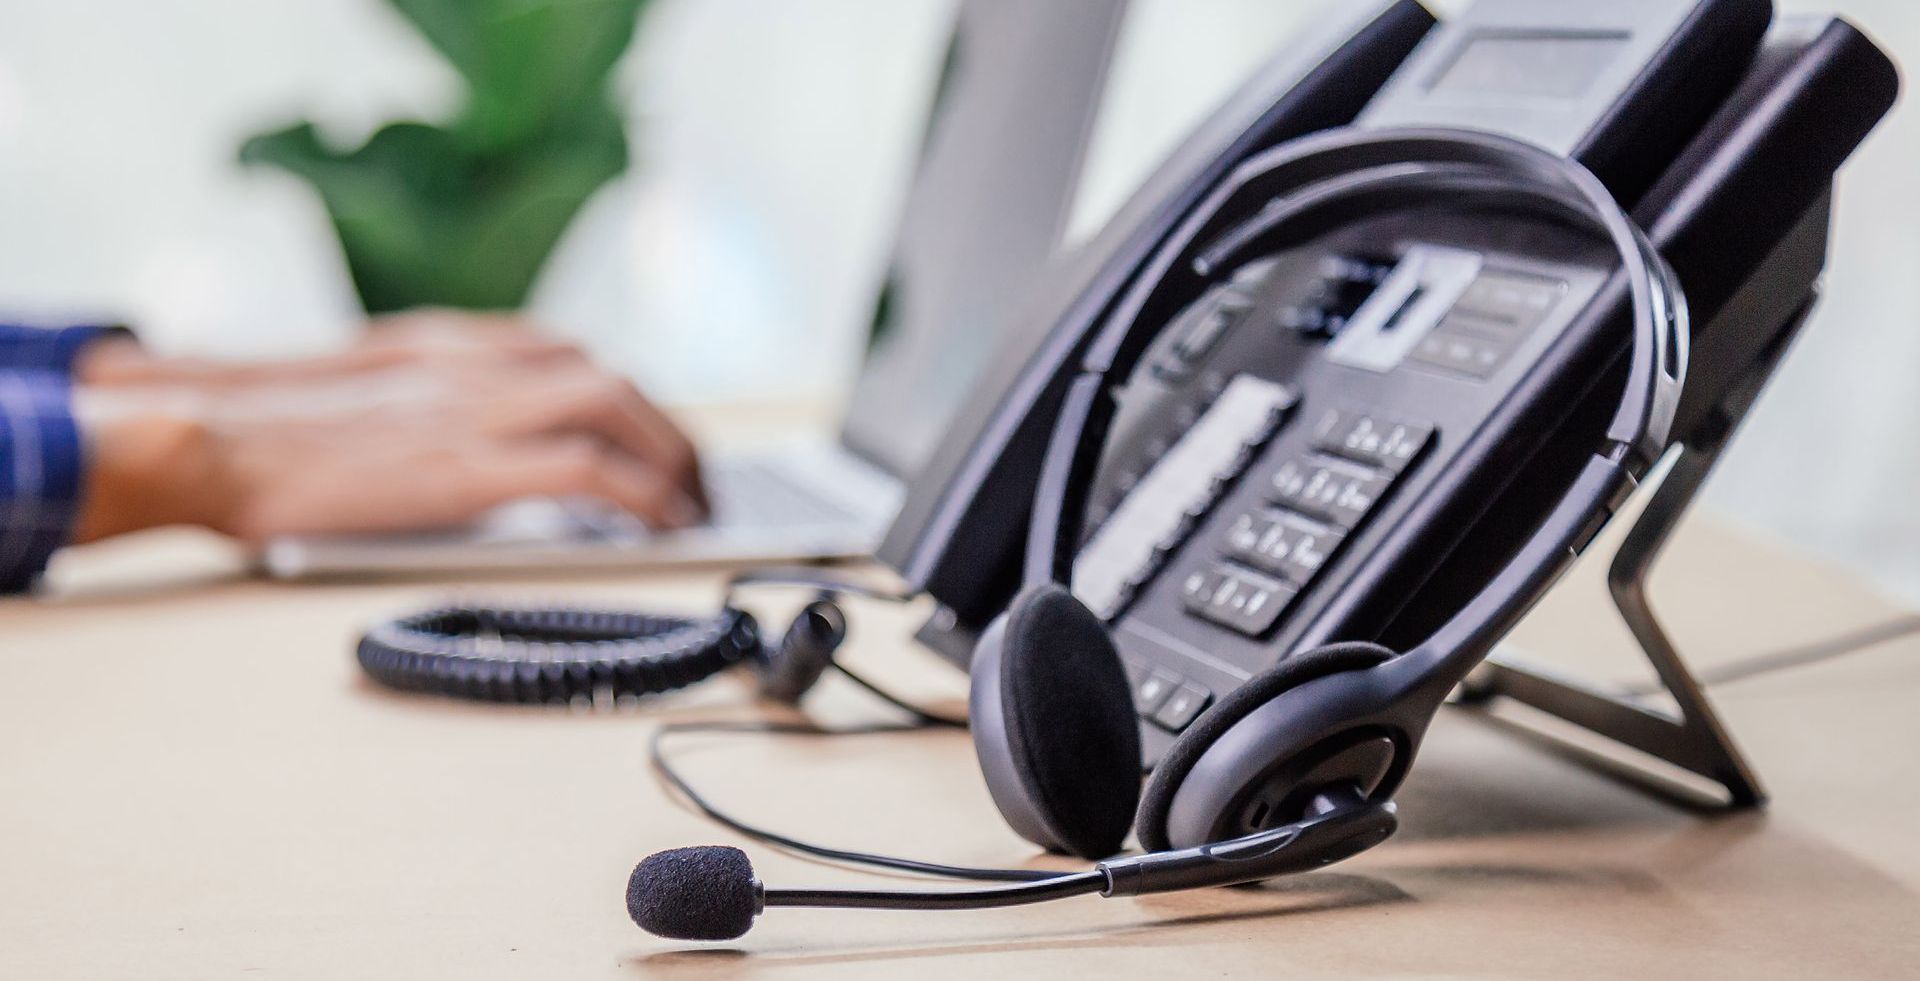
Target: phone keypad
1216,585
1317,499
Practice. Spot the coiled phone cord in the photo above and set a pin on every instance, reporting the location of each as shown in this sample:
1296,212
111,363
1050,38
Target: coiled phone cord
553,655
549,655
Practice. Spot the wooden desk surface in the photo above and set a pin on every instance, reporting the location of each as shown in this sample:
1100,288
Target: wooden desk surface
198,783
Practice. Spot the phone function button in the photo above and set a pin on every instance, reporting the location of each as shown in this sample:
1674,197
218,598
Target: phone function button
1372,439
1255,274
1139,533
1197,331
1152,691
1484,325
1513,299
1284,545
1468,354
1200,586
1182,707
1238,600
1345,282
1307,319
1333,494
1367,270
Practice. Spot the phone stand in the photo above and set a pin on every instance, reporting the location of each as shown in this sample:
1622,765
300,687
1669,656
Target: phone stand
1689,735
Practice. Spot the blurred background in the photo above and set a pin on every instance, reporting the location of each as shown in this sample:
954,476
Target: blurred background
771,144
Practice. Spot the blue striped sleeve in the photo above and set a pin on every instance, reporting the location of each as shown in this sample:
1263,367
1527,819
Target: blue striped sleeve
40,473
46,348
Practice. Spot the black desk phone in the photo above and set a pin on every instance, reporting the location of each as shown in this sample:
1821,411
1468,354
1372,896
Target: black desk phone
1330,406
1346,437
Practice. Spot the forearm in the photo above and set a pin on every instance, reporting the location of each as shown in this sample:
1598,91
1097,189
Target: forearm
429,427
150,462
121,362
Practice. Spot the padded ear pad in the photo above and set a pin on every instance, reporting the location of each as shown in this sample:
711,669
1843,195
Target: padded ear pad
1259,690
1063,762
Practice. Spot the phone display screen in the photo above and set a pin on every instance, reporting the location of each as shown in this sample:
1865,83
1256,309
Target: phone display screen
1536,63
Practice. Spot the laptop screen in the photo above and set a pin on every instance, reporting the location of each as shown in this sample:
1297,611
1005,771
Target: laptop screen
1046,118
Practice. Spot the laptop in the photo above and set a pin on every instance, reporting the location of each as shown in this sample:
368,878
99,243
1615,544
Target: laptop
997,177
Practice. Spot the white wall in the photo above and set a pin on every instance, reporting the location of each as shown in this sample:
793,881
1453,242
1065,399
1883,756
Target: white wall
118,125
774,136
1830,461
774,140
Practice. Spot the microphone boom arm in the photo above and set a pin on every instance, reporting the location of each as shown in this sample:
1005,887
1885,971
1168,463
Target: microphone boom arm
992,897
1341,823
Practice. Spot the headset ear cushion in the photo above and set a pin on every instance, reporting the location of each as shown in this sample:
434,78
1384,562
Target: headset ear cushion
1071,734
1289,674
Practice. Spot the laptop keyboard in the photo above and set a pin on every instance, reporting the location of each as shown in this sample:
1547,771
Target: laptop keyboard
750,493
745,494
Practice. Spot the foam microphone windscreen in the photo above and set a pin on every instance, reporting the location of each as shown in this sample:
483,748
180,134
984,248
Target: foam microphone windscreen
703,893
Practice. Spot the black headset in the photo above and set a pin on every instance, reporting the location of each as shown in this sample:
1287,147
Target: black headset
1054,724
1295,768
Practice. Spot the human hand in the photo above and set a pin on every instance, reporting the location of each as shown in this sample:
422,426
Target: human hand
426,440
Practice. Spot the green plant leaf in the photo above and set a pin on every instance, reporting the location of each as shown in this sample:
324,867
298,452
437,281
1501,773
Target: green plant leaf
423,221
528,64
466,214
